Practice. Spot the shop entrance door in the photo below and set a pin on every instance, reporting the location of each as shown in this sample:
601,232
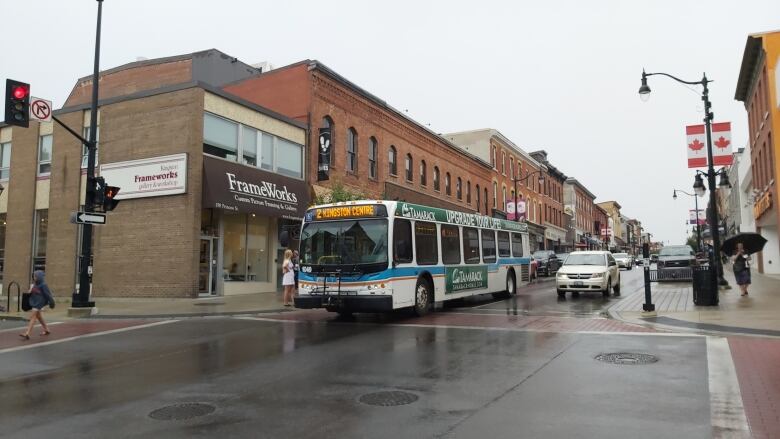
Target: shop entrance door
207,273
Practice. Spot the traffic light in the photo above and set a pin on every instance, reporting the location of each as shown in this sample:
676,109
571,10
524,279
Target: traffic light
109,203
17,103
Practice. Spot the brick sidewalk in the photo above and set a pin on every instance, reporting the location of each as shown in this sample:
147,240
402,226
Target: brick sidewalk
757,361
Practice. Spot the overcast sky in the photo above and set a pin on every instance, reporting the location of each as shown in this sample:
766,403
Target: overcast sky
559,75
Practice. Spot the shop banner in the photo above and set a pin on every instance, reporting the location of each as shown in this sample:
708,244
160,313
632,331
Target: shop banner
465,278
323,160
240,188
702,217
510,209
152,177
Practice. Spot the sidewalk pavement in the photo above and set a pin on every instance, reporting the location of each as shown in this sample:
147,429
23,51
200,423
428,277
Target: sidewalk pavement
756,314
150,307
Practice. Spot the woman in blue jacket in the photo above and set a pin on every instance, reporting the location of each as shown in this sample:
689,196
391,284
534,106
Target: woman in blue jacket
40,296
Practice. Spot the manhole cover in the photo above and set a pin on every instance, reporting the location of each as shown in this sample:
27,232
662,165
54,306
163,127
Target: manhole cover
389,398
627,358
182,412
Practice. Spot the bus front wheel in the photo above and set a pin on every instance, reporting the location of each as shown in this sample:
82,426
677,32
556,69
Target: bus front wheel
422,298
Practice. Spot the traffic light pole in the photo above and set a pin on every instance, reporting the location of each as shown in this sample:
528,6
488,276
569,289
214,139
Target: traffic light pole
81,298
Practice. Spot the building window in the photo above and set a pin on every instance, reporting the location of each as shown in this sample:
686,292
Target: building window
41,233
423,173
478,205
503,197
351,150
392,163
372,151
409,169
493,157
459,188
468,192
220,137
2,244
495,195
249,145
44,154
512,167
85,151
5,160
503,162
246,248
289,158
436,183
486,201
447,187
267,152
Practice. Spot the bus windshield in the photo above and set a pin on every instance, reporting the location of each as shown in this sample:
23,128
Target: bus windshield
354,242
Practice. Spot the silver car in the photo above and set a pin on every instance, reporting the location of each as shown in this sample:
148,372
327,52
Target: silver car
624,260
588,271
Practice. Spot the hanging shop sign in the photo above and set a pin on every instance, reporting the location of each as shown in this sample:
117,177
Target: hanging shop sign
238,188
152,177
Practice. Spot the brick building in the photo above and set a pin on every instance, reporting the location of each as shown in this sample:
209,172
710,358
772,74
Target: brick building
373,148
616,238
601,222
555,227
207,181
578,202
513,169
758,87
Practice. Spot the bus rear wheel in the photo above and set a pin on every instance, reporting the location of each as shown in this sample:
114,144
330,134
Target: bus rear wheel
422,298
511,287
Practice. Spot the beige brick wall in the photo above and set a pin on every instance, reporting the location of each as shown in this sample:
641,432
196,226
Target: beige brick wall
21,206
149,246
64,189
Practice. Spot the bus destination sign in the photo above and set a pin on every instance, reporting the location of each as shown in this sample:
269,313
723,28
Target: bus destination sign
346,212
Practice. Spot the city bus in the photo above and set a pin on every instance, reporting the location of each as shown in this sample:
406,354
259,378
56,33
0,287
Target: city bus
379,256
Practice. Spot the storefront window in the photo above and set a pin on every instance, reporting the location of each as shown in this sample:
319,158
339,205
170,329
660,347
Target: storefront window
234,247
289,161
257,249
249,145
220,137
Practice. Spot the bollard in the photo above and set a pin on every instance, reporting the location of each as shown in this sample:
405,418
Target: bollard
648,309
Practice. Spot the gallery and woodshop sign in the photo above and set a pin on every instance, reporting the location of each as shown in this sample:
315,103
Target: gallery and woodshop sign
152,177
239,188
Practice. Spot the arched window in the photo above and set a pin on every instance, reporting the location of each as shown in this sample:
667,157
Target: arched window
503,162
486,201
423,173
392,162
372,155
436,184
503,197
495,195
493,157
409,169
468,192
479,206
447,187
351,150
512,167
459,188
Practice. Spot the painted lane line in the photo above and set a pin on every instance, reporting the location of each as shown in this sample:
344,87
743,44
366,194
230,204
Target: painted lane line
726,410
78,337
24,325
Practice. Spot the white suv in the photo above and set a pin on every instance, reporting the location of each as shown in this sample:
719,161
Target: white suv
588,271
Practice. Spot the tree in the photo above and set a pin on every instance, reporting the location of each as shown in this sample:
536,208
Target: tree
338,193
693,243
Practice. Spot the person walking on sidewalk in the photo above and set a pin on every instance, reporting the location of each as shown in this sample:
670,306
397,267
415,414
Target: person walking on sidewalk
742,268
40,296
288,277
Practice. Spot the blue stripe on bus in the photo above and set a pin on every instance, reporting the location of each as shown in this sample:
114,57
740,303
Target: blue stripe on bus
408,271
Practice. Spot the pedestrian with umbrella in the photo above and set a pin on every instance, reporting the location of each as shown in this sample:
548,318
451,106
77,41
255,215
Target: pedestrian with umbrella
741,246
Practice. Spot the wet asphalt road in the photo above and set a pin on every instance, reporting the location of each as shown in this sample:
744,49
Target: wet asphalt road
304,378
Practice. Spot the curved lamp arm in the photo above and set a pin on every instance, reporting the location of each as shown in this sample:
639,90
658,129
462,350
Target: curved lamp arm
703,81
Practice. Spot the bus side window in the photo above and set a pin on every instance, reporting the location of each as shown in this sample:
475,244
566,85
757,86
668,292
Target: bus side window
425,242
488,246
402,241
503,245
470,245
517,245
450,244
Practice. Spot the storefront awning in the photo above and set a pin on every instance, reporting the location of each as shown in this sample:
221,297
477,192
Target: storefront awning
238,188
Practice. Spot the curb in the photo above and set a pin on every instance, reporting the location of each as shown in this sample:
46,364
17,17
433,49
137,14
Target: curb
186,315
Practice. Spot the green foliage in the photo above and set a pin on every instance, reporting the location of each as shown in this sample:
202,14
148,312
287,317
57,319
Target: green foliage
339,193
692,242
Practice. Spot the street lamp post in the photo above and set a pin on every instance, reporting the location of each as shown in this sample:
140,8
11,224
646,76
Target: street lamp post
528,175
696,206
712,217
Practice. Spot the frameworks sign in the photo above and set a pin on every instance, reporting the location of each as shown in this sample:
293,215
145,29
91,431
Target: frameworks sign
697,145
153,177
239,188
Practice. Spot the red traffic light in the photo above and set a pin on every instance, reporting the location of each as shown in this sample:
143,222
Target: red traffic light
20,92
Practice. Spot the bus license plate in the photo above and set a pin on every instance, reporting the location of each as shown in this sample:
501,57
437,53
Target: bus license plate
578,283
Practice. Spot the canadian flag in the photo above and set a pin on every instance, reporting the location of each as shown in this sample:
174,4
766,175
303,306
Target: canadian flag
697,145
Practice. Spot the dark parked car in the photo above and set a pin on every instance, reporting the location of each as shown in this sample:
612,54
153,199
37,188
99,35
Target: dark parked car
547,262
676,256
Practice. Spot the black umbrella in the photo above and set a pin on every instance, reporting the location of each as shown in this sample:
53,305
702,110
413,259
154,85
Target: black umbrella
752,242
